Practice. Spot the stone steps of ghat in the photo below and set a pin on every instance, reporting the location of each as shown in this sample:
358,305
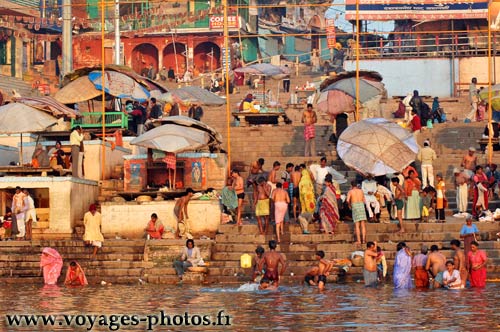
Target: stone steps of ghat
339,238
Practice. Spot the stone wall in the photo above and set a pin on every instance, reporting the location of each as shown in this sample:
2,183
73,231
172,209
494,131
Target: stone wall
129,219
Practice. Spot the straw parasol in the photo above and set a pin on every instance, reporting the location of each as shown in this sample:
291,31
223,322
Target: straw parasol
79,90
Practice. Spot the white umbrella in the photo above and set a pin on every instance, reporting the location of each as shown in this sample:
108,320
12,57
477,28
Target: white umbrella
173,138
193,94
17,118
377,146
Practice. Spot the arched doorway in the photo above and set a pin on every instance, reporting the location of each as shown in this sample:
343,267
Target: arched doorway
316,25
207,57
142,56
174,55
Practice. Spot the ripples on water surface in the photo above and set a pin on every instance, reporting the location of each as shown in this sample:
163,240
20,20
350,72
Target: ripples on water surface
339,307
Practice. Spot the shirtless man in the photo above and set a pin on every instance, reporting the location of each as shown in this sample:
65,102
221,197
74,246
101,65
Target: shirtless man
309,119
436,265
259,252
239,189
180,210
370,267
272,179
469,162
265,284
317,275
399,201
271,260
261,203
356,201
459,261
295,177
275,175
281,200
256,172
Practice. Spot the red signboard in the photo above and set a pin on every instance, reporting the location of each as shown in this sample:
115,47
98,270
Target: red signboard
415,10
217,22
330,33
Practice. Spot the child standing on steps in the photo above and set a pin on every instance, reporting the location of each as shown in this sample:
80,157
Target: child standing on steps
426,204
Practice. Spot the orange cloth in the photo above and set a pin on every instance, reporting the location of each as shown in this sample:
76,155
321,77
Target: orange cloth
75,276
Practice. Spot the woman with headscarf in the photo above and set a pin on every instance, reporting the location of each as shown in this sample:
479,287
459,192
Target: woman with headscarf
329,211
40,158
75,275
412,188
51,263
402,267
306,191
247,104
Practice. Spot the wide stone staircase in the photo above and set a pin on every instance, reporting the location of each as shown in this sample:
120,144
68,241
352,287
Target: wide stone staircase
299,249
451,142
119,261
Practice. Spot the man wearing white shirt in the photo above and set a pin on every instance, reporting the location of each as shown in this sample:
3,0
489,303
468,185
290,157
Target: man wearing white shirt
76,139
426,156
29,213
320,171
369,187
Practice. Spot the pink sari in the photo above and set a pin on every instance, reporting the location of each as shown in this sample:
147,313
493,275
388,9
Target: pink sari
477,277
75,277
51,263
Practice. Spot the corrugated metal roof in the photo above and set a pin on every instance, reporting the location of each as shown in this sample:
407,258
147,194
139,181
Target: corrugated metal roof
8,83
26,3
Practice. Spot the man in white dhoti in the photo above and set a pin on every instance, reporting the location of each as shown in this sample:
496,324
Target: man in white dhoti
369,187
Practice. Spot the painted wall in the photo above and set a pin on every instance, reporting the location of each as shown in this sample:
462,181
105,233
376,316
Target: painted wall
129,219
69,198
430,76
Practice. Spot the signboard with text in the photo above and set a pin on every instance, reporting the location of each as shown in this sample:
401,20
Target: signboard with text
330,33
383,10
217,22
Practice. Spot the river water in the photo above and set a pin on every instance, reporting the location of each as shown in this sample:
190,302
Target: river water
340,307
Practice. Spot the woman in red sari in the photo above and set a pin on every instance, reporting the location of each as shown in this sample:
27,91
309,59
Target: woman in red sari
329,211
477,260
75,275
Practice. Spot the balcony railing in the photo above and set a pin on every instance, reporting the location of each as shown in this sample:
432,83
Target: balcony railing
438,45
94,120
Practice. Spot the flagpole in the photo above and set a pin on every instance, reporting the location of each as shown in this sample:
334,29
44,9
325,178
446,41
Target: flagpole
103,83
357,44
490,112
228,106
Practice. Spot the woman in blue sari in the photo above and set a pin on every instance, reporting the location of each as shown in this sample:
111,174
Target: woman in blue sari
402,267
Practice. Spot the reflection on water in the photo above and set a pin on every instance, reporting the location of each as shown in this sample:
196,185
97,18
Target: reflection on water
340,307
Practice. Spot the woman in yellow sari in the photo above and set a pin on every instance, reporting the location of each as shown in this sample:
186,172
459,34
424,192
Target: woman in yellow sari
306,191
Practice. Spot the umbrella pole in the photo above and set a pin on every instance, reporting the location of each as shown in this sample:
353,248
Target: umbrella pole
21,157
175,174
264,94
